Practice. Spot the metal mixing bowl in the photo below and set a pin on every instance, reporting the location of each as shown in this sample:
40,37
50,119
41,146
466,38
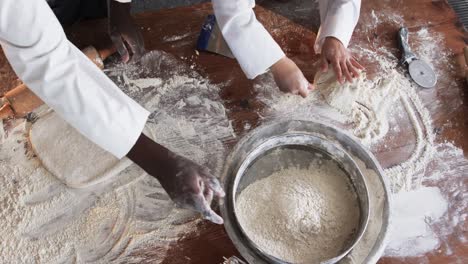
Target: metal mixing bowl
269,149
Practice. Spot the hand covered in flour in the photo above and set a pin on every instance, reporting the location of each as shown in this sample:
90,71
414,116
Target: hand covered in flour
289,78
189,185
344,65
123,31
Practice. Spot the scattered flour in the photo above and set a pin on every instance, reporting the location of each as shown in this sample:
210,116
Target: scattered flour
188,115
370,22
300,215
44,221
141,83
376,110
176,37
427,45
413,212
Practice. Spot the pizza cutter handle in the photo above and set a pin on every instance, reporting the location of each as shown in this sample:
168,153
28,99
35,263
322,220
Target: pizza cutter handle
407,54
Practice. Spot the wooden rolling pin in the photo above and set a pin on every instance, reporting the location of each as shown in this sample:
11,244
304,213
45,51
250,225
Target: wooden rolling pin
20,101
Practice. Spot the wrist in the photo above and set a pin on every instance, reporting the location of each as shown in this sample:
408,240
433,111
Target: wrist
332,39
279,65
150,156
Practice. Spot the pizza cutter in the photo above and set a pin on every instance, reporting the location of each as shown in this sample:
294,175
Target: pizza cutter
420,71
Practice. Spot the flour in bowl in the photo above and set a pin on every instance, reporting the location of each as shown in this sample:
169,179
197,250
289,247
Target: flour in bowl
300,215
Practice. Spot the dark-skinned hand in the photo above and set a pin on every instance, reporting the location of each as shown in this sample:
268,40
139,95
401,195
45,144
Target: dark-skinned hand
188,184
124,33
344,65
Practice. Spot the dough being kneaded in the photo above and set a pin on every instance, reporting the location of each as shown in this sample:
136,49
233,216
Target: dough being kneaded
339,96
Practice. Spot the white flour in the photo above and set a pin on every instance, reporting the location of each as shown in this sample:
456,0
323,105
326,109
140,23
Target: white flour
176,37
300,215
141,83
413,211
427,46
377,111
369,22
43,221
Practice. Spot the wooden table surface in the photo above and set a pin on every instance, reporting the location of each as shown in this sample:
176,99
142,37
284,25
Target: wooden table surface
209,244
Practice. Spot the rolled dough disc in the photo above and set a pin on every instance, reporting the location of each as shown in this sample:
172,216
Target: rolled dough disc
69,156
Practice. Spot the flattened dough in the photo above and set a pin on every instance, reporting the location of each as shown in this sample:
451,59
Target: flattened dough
339,96
69,156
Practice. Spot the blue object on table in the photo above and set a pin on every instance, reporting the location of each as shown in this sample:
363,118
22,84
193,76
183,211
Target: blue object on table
211,39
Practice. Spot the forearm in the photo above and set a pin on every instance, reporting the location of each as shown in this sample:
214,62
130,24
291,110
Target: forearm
254,48
65,79
338,20
150,156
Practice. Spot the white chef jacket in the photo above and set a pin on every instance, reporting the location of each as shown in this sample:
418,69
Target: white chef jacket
255,49
64,78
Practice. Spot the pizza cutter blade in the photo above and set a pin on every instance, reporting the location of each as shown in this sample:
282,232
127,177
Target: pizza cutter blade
420,71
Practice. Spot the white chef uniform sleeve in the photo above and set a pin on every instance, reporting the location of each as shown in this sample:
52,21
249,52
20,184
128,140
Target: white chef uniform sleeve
64,78
251,44
338,19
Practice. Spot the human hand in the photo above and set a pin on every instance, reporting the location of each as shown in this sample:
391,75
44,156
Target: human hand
188,184
289,78
124,33
344,65
192,186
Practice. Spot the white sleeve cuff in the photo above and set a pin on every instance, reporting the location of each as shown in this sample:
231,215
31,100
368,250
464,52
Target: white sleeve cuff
339,22
120,143
257,52
251,44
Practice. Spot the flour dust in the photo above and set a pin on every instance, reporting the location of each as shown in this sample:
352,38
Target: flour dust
412,211
47,222
377,109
